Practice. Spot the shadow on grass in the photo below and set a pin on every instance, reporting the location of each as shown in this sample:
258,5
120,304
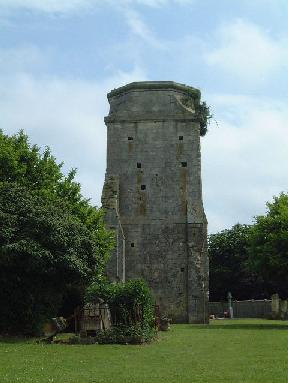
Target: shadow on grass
247,326
15,340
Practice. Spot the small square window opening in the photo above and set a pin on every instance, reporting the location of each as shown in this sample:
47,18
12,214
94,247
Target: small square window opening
139,165
130,138
132,244
143,187
184,164
180,138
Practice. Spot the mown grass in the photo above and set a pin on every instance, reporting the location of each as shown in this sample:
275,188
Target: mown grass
225,351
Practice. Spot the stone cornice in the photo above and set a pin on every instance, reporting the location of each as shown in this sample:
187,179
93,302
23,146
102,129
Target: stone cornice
117,119
155,85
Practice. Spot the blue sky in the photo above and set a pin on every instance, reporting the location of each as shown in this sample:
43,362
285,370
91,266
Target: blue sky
58,59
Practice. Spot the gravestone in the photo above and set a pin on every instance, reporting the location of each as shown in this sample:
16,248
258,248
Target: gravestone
283,309
275,304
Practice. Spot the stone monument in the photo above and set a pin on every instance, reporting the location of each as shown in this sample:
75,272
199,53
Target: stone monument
152,194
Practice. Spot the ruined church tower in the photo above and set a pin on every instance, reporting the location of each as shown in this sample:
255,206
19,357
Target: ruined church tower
152,194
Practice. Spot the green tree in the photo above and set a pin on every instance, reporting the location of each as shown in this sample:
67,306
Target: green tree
228,258
25,164
51,238
268,246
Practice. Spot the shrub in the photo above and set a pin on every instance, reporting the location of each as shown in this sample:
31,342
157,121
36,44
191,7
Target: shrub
132,310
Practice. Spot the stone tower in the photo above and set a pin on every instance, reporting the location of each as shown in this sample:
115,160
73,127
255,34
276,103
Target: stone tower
152,194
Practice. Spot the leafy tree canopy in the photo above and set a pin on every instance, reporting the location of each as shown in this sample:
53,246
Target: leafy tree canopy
228,265
25,164
51,238
268,246
252,261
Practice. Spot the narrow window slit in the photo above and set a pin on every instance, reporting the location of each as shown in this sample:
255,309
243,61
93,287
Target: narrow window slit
139,165
132,244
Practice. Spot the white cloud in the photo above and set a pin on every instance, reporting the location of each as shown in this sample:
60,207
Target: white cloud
22,58
279,5
45,5
140,28
64,6
245,160
148,3
137,25
246,50
65,114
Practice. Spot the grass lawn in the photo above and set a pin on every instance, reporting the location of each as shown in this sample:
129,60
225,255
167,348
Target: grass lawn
225,351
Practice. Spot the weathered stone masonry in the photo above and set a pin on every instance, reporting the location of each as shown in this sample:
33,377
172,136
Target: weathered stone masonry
153,196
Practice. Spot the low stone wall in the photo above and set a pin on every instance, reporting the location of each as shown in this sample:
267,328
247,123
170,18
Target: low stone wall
243,309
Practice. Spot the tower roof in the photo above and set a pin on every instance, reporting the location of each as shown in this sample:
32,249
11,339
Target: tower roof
155,85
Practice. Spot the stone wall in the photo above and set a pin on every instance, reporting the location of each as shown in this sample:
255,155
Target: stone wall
243,309
152,195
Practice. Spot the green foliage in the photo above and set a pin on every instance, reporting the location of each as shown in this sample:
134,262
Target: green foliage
51,238
20,162
252,261
132,334
202,109
131,306
24,163
228,265
205,116
268,246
